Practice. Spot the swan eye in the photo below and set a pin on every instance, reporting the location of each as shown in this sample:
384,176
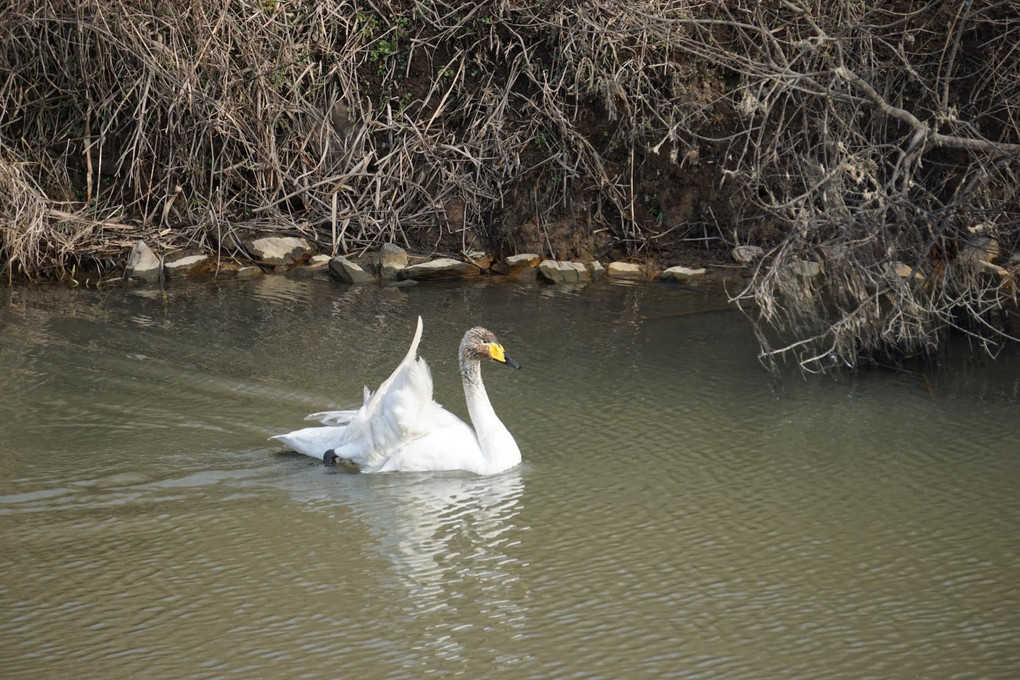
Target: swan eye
497,353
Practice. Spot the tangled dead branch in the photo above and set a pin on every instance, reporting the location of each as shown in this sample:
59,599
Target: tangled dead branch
437,123
873,152
887,149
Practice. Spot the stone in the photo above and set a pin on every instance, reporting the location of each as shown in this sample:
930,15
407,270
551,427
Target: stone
628,271
596,270
681,274
303,271
279,250
527,275
805,269
980,249
225,240
389,259
223,269
517,263
479,258
346,271
903,270
143,264
186,267
440,268
249,272
582,272
747,254
558,271
405,283
992,270
316,266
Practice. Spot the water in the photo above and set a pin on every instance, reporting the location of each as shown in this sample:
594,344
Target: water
678,513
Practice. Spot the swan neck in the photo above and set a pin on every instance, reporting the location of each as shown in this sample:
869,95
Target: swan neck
496,442
474,390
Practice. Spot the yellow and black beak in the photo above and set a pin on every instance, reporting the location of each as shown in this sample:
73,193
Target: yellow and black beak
497,353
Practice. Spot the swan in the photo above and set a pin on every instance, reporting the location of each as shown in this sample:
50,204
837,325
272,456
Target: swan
400,427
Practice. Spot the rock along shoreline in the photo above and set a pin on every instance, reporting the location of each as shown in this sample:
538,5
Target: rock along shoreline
392,265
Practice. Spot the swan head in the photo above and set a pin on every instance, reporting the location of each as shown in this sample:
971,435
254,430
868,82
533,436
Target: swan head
481,344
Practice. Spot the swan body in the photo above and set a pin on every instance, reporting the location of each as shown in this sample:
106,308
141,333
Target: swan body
401,427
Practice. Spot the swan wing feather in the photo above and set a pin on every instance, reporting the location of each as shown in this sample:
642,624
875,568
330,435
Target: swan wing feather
398,412
451,445
333,417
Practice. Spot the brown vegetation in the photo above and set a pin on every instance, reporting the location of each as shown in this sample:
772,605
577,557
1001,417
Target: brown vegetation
885,140
513,125
861,137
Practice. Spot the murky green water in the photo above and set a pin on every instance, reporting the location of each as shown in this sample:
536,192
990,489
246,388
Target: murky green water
678,513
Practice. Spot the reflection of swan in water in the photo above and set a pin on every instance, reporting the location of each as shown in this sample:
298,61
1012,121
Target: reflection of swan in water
436,517
450,541
400,427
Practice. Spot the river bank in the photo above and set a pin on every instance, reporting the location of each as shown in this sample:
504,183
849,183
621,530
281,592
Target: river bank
657,134
393,265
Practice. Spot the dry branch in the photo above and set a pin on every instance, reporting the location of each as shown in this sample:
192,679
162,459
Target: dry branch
861,137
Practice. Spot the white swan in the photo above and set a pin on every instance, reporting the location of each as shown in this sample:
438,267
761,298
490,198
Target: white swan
400,427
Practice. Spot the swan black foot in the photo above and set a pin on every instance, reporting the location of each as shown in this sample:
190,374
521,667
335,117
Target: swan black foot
330,457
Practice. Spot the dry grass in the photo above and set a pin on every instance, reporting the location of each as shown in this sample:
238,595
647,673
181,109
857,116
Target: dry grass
353,123
850,134
880,138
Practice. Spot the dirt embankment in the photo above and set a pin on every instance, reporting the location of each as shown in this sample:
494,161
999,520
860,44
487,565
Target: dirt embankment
554,127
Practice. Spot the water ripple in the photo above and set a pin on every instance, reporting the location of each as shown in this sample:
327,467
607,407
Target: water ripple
674,517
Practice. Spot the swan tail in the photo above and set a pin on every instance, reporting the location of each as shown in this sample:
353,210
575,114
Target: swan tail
313,441
413,351
400,375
